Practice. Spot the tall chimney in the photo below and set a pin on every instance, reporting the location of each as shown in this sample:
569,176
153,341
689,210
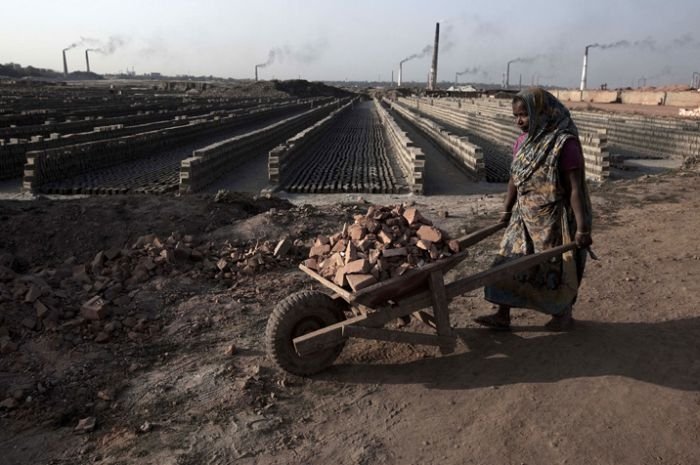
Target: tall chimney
584,72
508,74
65,63
87,59
400,72
456,76
256,72
432,85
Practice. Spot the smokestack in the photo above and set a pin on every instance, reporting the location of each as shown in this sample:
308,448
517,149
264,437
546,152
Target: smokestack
65,63
584,71
87,59
456,76
256,73
508,74
400,72
432,85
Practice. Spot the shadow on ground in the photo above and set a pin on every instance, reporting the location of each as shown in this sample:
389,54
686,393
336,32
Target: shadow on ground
665,354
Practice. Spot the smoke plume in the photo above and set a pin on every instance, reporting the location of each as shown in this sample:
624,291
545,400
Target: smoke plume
275,54
649,43
526,59
473,70
307,53
427,50
98,46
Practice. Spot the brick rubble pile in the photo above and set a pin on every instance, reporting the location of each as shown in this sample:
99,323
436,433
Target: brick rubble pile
382,244
93,301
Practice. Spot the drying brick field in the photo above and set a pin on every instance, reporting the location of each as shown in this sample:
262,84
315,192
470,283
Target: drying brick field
132,325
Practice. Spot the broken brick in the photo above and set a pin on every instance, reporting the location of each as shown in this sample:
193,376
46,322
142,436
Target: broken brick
94,309
360,281
429,233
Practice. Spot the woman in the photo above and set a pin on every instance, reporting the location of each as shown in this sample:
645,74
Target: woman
547,205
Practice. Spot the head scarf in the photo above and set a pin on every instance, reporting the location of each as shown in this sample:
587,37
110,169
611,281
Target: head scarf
549,120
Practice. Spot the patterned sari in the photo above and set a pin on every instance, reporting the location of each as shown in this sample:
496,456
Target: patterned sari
542,217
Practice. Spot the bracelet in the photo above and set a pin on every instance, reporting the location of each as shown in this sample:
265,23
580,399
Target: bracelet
583,233
510,213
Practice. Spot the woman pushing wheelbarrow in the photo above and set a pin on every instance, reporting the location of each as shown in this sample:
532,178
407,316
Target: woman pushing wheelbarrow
547,205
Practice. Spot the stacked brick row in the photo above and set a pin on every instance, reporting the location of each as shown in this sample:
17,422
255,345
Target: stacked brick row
208,164
13,155
282,157
462,151
411,158
644,136
169,111
351,157
596,156
481,129
45,166
491,119
382,244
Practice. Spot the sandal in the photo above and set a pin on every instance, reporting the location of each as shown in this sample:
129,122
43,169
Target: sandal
560,323
494,321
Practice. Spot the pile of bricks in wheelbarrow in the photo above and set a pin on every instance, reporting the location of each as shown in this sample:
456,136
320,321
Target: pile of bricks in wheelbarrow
382,244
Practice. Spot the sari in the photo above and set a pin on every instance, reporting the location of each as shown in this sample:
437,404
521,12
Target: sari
542,216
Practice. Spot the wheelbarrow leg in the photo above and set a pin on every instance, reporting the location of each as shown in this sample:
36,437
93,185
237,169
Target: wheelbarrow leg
441,311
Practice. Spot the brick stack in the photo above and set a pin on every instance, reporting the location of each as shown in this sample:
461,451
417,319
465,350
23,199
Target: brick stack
382,244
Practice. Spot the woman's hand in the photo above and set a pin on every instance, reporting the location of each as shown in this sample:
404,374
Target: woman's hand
583,239
505,217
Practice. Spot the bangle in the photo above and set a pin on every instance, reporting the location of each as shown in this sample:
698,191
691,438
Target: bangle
509,213
583,233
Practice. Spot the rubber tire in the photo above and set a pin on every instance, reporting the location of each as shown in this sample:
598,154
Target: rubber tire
299,314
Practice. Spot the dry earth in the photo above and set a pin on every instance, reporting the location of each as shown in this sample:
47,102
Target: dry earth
165,386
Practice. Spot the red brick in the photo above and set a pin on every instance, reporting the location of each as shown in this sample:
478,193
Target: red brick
360,281
319,250
429,233
339,246
412,215
340,278
385,238
357,267
350,252
356,232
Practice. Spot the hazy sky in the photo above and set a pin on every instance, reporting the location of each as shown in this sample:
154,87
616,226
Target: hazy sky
362,39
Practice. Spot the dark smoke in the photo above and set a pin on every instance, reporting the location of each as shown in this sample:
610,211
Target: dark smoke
97,46
526,59
308,53
473,70
645,43
427,50
271,56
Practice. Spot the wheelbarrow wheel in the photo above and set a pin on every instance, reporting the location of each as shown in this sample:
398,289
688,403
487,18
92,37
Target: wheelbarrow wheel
299,314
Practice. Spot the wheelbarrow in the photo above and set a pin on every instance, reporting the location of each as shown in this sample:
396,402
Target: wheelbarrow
307,330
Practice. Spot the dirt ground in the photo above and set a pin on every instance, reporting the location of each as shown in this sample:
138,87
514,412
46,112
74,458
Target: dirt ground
176,371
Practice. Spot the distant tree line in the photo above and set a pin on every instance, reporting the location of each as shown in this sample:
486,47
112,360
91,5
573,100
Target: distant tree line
15,70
